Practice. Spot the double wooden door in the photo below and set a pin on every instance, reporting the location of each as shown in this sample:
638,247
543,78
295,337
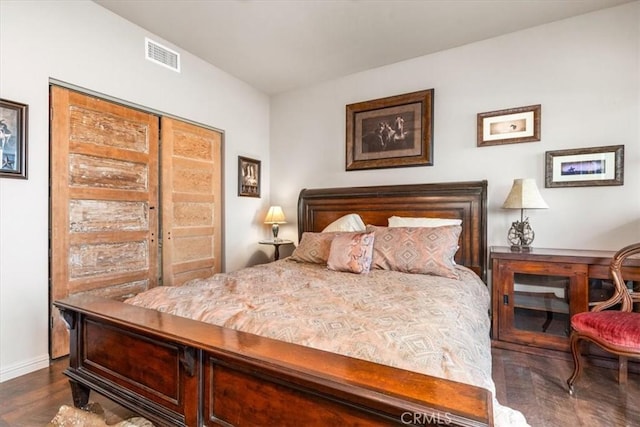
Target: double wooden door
136,201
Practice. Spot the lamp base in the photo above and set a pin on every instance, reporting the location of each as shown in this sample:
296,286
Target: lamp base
274,229
520,236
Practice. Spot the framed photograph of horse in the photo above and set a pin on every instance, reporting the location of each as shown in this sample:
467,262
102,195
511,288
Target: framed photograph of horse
13,139
248,177
390,132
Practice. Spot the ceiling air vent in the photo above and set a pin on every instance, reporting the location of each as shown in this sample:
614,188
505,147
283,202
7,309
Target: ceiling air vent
164,56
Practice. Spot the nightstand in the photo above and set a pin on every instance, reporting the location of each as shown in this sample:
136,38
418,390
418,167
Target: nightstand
534,294
276,244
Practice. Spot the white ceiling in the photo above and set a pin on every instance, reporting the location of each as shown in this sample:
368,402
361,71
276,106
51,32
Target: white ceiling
280,45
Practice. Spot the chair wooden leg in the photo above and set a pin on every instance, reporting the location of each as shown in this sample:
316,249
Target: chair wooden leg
622,370
577,367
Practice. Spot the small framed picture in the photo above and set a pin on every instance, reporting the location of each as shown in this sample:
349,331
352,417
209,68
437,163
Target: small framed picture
585,167
510,126
248,177
13,139
390,132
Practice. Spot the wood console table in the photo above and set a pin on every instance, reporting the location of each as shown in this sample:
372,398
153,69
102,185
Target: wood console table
534,294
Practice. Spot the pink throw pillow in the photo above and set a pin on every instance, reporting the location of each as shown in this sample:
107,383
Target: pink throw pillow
416,249
351,252
313,248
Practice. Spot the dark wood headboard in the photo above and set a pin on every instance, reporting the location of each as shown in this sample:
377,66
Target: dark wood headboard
467,201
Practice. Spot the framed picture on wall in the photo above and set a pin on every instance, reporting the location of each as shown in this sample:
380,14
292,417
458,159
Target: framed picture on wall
248,177
585,167
510,126
390,132
13,139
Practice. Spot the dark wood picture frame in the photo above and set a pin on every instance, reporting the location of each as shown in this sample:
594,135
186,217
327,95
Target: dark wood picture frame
390,132
13,139
249,177
585,167
510,126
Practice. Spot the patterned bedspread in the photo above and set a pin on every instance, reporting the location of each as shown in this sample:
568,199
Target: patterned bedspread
428,324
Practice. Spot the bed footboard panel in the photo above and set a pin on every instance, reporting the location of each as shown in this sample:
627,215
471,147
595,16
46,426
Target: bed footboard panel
156,378
250,392
237,397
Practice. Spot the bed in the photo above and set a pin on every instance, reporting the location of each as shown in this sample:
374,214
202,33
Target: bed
251,362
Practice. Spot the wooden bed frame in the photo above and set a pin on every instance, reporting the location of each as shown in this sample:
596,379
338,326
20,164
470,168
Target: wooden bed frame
176,371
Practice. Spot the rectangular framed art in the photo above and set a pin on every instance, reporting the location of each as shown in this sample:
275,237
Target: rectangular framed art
390,132
13,139
583,167
248,177
510,126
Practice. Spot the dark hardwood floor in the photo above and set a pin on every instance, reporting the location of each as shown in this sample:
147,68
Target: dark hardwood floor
532,384
536,386
32,400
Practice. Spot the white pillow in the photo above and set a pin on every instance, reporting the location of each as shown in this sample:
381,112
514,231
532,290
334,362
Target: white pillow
349,222
397,221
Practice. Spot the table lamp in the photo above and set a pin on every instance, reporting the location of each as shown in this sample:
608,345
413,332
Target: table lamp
524,194
275,216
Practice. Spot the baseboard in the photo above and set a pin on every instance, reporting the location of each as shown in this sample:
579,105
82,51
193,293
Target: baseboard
24,367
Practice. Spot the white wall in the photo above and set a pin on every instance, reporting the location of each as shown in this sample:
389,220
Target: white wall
584,71
83,44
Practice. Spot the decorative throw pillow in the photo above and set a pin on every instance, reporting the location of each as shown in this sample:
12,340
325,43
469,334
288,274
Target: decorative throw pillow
313,248
350,222
422,250
351,252
398,221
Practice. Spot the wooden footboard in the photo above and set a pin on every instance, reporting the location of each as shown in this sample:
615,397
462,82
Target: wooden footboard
176,371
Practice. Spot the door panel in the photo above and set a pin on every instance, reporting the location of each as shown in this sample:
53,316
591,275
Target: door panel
191,201
104,198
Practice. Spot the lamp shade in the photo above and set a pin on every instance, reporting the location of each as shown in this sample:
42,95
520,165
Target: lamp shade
524,194
275,216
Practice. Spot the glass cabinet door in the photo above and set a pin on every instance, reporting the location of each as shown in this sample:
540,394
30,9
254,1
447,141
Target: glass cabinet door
537,301
541,303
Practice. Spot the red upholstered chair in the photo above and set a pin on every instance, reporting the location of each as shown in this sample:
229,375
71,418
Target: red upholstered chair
616,330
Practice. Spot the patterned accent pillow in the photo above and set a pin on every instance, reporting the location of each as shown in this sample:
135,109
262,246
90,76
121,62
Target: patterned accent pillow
419,250
351,252
313,248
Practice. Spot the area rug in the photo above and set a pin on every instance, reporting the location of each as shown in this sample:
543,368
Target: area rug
93,416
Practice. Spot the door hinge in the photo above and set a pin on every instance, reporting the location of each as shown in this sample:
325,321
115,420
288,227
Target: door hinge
505,299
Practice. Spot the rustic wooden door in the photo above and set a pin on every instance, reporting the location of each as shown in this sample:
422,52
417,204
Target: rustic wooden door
191,201
104,194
